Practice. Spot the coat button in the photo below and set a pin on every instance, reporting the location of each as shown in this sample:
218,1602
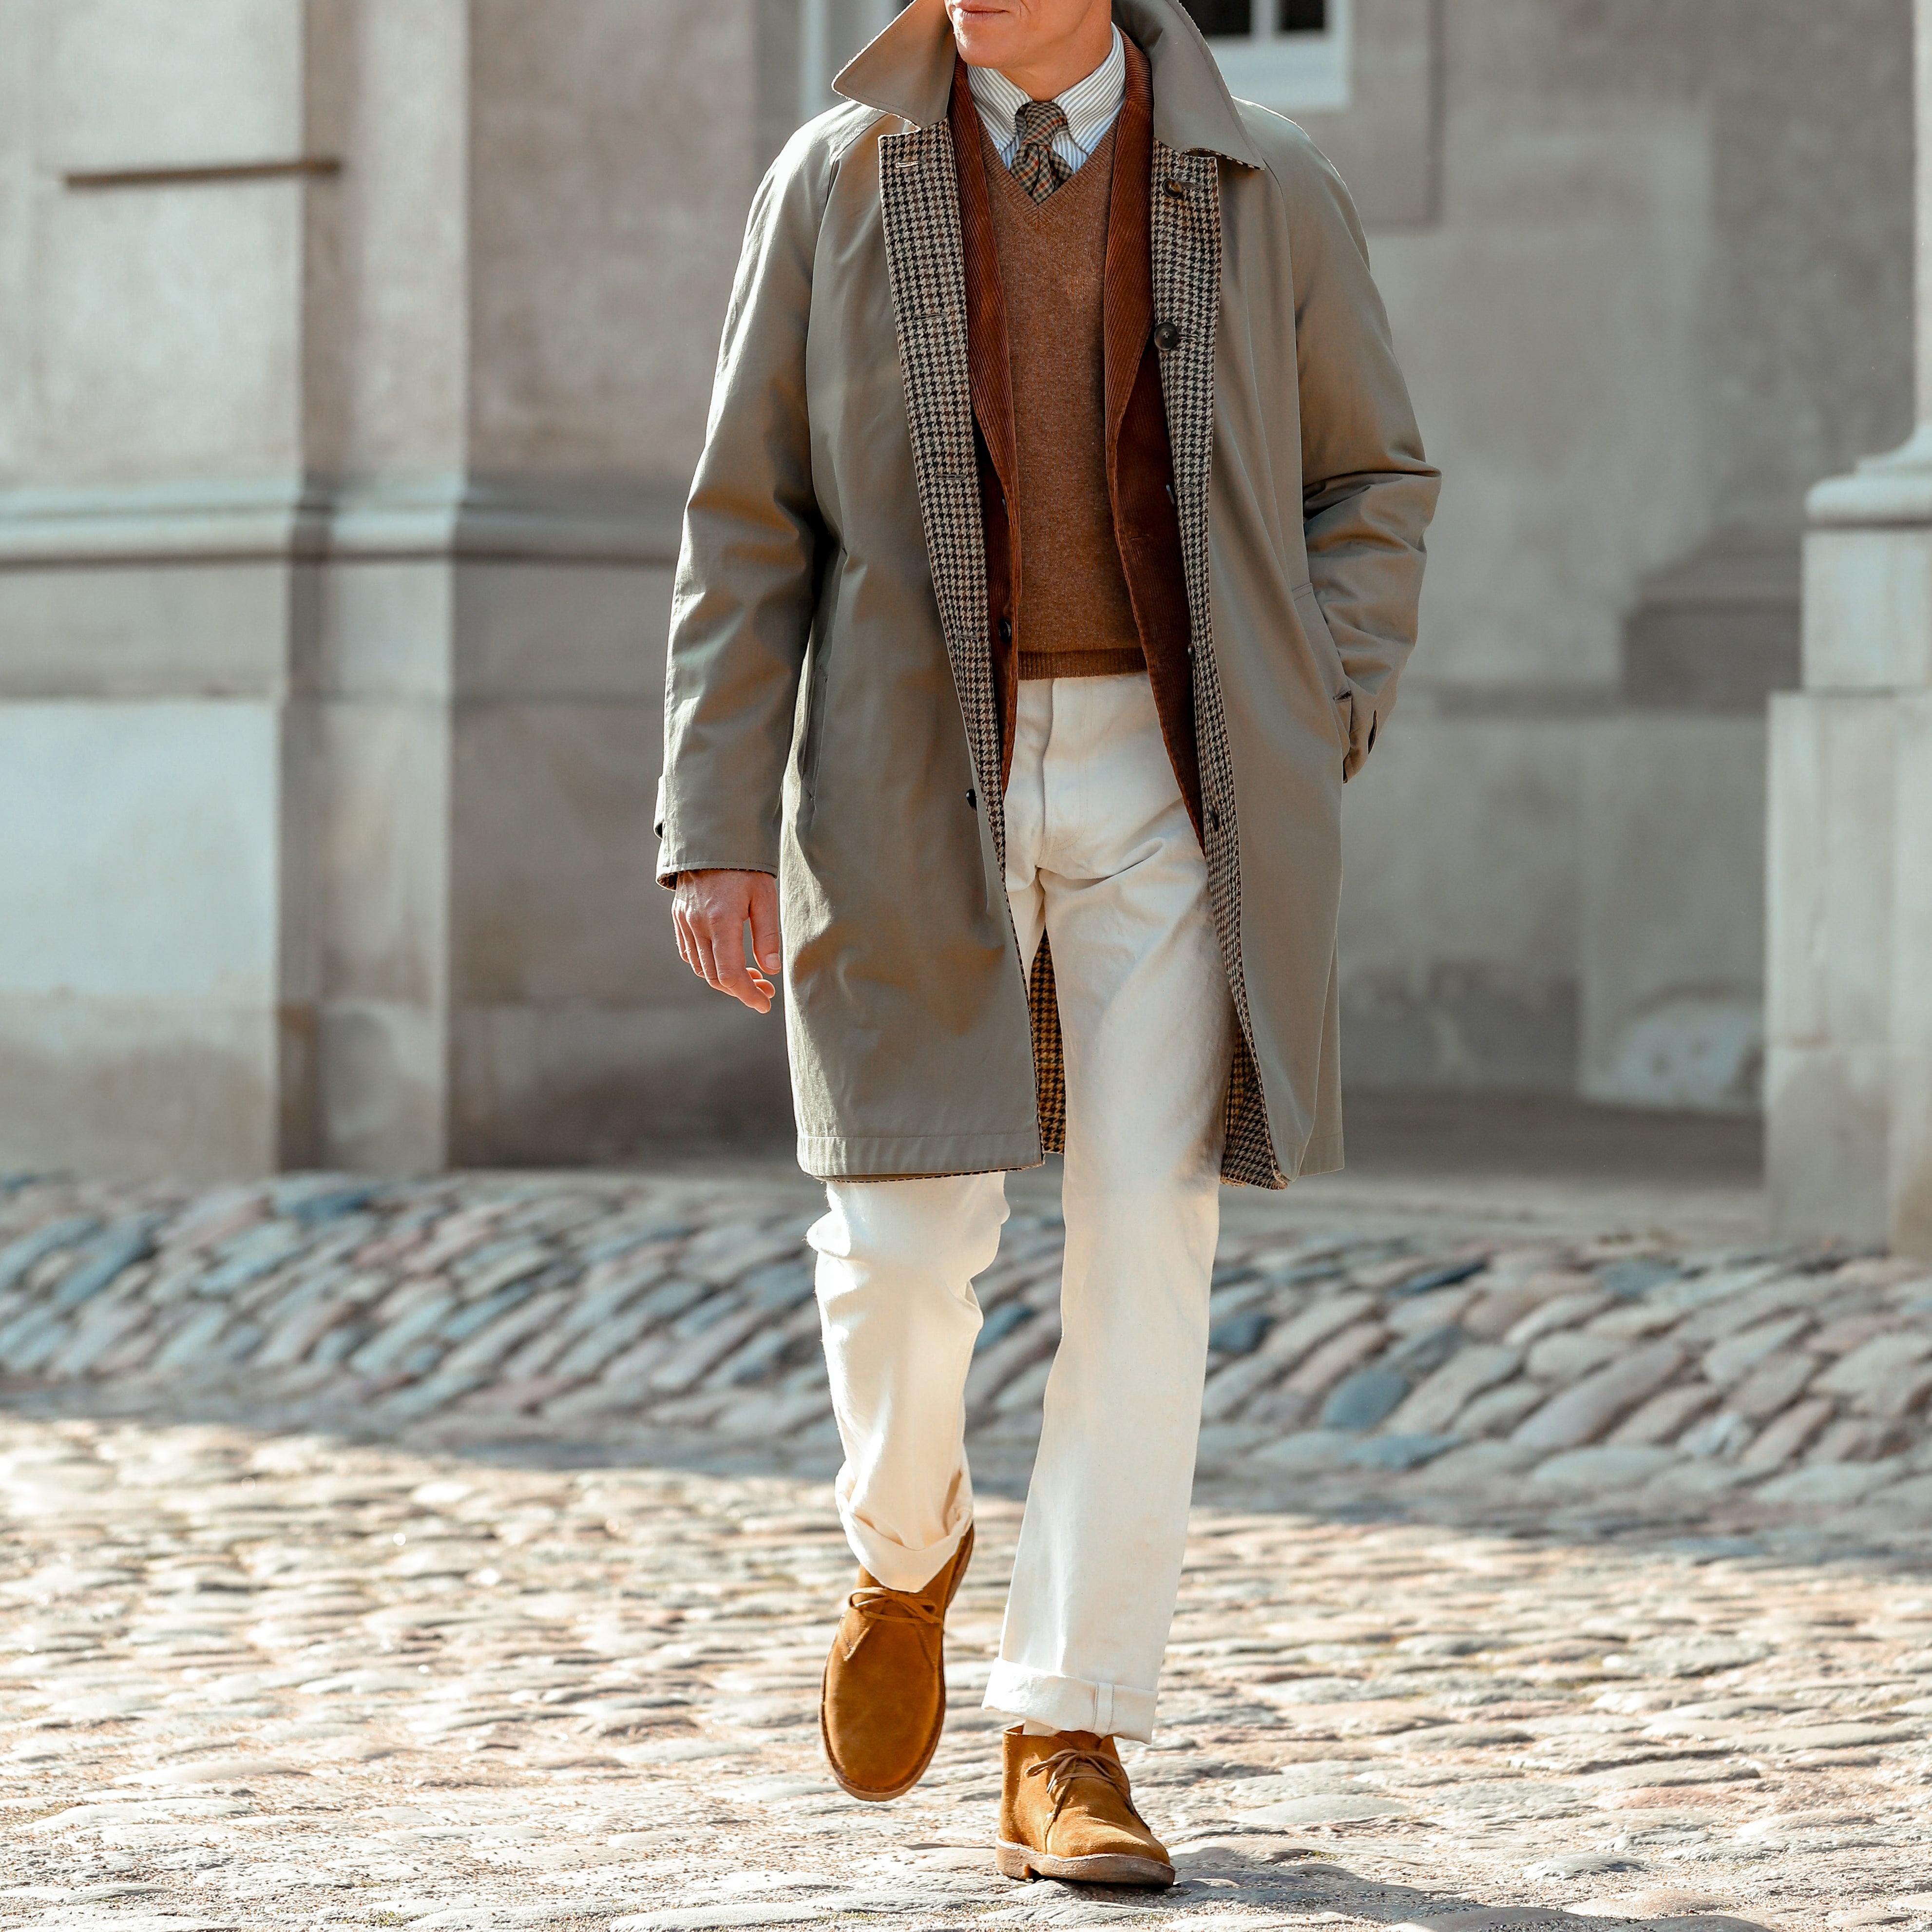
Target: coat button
1175,188
1166,337
1006,631
972,801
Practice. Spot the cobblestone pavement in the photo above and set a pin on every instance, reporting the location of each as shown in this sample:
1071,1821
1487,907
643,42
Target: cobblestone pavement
253,1679
1527,1376
459,1555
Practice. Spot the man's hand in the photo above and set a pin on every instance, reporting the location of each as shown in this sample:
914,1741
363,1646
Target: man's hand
709,910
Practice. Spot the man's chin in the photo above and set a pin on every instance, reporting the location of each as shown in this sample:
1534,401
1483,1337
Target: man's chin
980,54
984,40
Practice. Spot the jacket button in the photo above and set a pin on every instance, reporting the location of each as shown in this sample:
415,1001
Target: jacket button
1006,631
1175,188
1166,337
972,801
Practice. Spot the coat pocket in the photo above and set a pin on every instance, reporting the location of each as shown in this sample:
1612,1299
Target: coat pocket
1328,668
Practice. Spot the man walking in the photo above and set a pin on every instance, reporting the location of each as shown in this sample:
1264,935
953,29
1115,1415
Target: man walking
1059,452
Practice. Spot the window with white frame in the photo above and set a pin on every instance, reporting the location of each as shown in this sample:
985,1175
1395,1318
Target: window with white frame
1292,55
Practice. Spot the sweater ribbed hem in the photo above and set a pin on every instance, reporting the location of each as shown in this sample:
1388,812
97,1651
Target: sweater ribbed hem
1115,660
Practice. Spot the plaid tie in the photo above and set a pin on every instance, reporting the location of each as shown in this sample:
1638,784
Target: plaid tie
1035,166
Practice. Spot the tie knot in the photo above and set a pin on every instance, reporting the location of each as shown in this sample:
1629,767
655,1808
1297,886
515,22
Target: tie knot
1035,166
1039,121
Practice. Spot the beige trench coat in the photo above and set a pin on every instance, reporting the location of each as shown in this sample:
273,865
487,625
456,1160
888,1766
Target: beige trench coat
830,712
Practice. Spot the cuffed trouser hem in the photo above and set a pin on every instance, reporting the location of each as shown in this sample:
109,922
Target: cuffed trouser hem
892,1564
1068,1704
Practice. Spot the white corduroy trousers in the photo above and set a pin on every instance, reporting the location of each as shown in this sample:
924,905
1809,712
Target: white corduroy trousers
1100,858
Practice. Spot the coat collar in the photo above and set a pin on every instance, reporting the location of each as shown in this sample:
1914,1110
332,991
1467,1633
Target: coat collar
908,70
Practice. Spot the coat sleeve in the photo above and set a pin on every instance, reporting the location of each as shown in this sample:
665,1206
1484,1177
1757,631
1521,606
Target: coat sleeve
1367,491
747,570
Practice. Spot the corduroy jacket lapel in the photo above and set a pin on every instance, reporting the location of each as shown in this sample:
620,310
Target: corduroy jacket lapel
1140,467
1130,273
986,319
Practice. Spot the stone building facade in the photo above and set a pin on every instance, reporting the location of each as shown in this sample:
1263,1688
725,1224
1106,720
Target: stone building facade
354,355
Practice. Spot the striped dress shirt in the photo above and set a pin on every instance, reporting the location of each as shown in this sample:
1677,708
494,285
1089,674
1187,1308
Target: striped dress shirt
1090,106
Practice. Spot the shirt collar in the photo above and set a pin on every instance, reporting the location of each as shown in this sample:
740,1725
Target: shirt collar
1089,105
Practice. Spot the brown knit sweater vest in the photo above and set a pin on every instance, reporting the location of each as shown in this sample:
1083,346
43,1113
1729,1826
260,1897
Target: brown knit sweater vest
1075,617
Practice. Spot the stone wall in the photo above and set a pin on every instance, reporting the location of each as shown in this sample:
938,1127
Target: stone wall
353,360
1666,289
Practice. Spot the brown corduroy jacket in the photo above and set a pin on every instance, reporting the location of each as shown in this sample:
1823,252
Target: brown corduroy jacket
1140,469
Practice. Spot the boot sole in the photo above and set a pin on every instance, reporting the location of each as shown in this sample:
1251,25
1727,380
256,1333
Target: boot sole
870,1794
1103,1868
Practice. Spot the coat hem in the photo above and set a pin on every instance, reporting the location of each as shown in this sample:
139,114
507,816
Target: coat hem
1322,1155
915,1156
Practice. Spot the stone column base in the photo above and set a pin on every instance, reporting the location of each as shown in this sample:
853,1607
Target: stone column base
1849,1076
334,838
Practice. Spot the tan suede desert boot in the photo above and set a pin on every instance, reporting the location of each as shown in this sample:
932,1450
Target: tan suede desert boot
1066,1812
882,1704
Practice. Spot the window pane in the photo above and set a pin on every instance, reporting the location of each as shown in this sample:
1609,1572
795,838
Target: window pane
1222,17
1304,16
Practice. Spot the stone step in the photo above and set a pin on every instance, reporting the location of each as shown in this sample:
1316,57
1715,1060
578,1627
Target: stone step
561,1303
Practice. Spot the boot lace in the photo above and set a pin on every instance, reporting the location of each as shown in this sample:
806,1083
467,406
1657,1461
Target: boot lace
1066,1767
875,1604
